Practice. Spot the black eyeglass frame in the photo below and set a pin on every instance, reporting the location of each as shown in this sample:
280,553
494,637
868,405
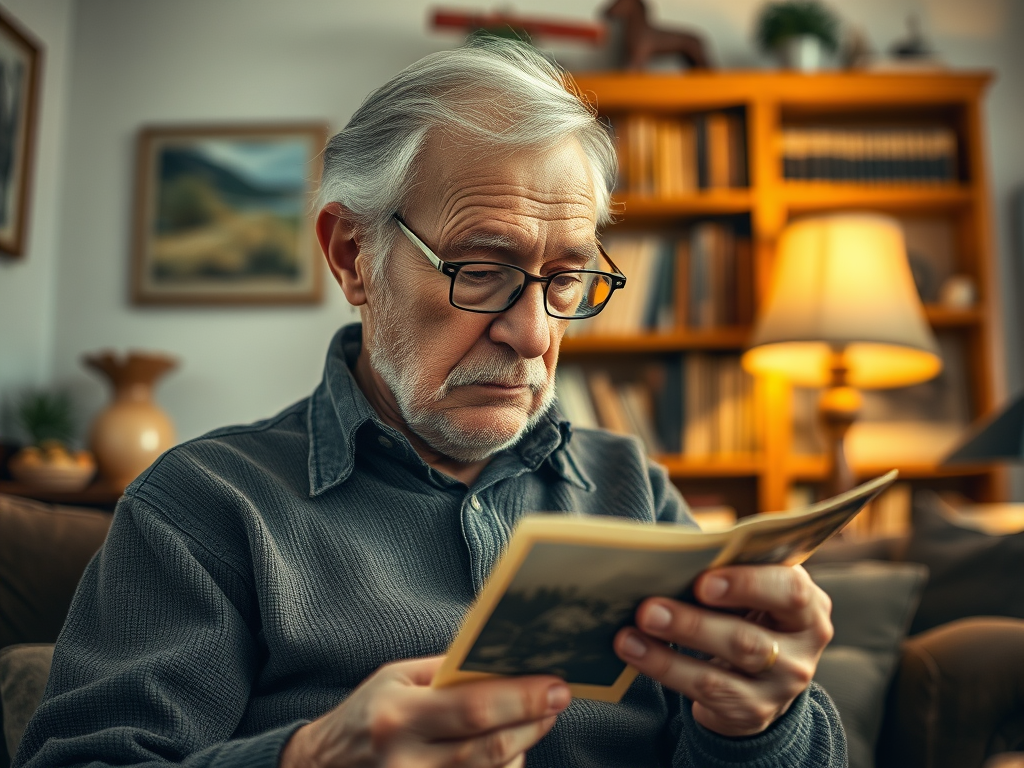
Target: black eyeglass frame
452,268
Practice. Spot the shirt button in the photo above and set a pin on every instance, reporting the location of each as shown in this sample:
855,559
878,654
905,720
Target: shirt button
384,441
475,503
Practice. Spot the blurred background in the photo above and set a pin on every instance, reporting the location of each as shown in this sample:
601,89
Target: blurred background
111,67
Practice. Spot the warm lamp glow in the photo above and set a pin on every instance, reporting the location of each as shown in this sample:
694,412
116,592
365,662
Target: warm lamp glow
842,284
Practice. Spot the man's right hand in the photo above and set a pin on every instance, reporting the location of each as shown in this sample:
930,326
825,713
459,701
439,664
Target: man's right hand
395,718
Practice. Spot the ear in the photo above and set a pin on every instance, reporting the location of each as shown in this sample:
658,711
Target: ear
335,230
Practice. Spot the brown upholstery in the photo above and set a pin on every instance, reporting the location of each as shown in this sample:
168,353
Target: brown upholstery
958,696
43,550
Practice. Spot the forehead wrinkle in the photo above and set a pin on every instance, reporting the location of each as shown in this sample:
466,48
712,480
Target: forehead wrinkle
453,191
528,218
468,228
534,199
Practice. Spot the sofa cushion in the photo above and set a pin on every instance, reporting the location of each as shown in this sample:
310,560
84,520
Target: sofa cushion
972,573
872,605
24,670
43,551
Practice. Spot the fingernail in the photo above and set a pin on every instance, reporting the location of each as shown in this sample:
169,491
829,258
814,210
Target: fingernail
714,587
634,646
657,617
558,698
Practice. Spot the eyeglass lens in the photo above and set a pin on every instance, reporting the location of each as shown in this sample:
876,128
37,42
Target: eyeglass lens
494,287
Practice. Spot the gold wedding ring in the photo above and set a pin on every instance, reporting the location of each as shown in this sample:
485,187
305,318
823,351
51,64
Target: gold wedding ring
772,657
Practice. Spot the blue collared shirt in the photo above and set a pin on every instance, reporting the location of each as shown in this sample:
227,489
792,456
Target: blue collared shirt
256,575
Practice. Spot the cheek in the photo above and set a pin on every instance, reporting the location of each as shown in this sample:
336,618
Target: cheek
558,329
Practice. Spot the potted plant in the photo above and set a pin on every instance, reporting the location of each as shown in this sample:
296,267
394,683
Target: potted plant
798,31
48,462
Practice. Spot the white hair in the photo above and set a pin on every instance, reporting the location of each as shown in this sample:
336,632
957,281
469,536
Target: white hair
492,93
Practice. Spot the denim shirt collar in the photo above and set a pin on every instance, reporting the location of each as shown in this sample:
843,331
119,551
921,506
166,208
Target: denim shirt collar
338,410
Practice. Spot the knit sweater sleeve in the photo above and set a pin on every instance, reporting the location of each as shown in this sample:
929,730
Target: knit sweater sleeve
155,663
809,735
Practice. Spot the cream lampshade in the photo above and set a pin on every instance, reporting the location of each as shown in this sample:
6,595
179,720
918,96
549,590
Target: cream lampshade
843,312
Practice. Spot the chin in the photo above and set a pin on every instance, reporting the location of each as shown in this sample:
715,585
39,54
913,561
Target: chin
487,431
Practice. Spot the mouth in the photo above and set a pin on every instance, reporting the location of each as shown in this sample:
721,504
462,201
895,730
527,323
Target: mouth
502,386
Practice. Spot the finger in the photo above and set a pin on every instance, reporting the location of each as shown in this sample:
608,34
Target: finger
743,644
498,748
786,593
472,709
419,671
736,704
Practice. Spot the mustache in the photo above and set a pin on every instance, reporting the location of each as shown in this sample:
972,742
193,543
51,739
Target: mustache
506,369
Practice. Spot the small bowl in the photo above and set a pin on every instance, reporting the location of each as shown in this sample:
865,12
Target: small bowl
53,477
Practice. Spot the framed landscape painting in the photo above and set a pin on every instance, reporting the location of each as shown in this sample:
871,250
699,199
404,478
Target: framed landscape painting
19,85
222,215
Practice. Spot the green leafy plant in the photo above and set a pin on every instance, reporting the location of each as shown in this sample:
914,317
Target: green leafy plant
778,22
46,415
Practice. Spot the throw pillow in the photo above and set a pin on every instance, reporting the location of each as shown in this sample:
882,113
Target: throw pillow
24,670
972,573
872,605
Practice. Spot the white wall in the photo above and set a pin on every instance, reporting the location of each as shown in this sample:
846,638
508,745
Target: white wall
28,284
152,61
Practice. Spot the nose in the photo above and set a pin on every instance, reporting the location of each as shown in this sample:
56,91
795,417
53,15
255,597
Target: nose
525,326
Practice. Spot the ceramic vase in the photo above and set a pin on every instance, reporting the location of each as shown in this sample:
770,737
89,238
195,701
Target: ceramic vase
803,53
132,431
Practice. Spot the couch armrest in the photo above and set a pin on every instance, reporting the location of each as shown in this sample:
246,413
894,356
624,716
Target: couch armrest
43,550
958,696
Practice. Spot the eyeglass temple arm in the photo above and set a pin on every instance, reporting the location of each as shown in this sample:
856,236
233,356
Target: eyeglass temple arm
438,264
621,278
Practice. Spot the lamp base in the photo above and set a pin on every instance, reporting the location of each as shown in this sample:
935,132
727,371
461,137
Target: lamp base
838,408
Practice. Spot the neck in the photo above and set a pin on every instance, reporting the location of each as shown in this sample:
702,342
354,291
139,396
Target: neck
379,396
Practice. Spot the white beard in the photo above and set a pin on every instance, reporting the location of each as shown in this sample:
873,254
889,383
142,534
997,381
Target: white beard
392,357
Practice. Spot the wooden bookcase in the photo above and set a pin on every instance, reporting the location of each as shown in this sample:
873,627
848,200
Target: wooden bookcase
769,103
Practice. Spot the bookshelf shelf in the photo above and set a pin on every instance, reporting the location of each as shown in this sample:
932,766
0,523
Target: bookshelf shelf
712,339
707,202
945,317
733,465
815,468
721,216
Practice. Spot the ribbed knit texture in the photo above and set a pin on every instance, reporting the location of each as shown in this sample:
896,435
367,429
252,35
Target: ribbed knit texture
254,576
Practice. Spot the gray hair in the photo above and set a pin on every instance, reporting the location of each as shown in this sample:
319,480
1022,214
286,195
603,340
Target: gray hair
494,93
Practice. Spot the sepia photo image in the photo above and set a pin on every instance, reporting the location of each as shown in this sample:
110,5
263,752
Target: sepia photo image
567,601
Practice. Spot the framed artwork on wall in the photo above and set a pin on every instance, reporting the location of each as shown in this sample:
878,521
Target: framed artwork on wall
222,215
20,62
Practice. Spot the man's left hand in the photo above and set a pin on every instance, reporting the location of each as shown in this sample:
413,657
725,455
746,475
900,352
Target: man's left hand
759,662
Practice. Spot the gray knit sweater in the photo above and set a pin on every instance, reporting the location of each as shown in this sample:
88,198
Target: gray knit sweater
254,576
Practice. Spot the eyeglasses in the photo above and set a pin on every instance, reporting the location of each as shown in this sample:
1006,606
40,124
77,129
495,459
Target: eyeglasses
490,287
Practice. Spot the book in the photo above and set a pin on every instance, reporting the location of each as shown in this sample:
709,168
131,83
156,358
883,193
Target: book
870,155
566,584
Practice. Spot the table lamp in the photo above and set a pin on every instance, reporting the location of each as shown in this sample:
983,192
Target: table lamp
843,313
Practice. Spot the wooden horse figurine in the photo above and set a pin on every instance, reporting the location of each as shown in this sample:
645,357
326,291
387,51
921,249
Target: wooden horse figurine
643,41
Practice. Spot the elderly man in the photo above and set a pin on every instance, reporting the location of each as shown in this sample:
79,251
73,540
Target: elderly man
280,593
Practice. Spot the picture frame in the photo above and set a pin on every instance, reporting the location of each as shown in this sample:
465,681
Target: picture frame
20,65
222,215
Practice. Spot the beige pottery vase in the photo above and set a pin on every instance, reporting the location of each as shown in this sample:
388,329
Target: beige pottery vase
131,432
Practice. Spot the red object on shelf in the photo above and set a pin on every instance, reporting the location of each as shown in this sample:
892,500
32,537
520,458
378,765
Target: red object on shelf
592,32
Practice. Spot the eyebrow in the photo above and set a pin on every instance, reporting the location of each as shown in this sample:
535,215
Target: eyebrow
491,241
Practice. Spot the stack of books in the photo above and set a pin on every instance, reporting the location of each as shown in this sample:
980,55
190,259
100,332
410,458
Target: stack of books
905,155
719,410
647,303
717,264
699,405
666,156
699,279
